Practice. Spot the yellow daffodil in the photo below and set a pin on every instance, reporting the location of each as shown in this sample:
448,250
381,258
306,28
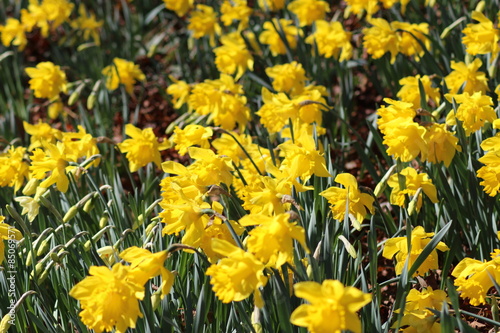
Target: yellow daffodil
109,299
235,10
264,195
395,111
123,72
327,301
145,265
288,78
473,111
410,90
187,216
271,241
413,181
332,40
271,37
380,39
41,132
57,11
13,33
180,7
358,7
481,37
398,246
418,316
475,278
13,168
191,135
179,90
87,24
271,5
404,139
142,148
237,276
442,144
348,199
217,229
7,233
308,11
302,159
276,111
229,145
80,145
490,172
233,57
468,76
52,158
412,38
47,80
223,100
203,22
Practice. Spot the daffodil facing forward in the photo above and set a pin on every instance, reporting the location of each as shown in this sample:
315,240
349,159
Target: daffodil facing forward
332,307
238,276
109,298
142,148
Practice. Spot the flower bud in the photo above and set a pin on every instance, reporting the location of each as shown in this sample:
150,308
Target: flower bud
31,186
70,214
